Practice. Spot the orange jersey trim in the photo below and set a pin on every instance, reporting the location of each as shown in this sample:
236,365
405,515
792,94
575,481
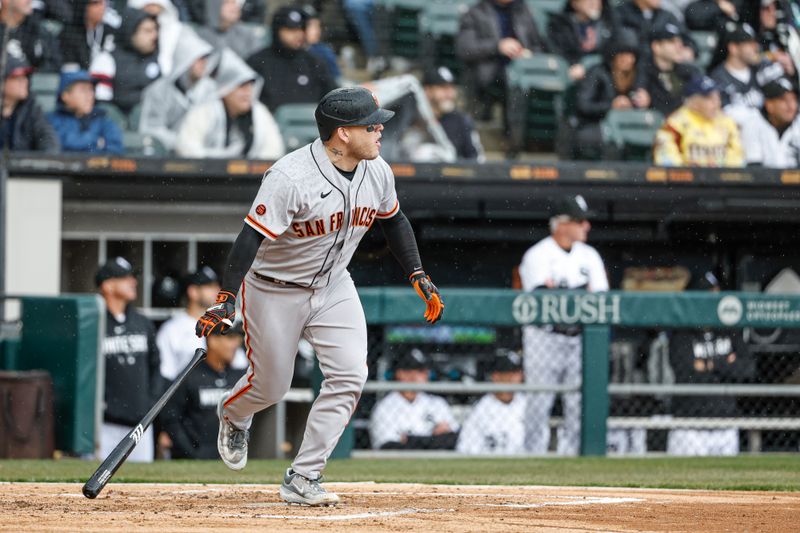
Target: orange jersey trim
248,351
256,225
391,212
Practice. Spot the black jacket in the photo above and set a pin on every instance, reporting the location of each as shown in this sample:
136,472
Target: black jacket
133,379
705,357
74,45
705,15
461,131
40,47
630,18
666,89
134,71
479,33
191,416
28,129
564,34
596,92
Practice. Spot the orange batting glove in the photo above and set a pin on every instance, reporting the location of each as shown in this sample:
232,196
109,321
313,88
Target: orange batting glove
220,315
427,291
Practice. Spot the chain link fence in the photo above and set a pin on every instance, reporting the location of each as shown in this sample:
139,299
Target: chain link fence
695,391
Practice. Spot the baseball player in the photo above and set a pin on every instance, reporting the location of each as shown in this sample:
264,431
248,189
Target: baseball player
288,266
552,354
496,424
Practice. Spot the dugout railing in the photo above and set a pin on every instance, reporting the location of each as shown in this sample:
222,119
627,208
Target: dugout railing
768,404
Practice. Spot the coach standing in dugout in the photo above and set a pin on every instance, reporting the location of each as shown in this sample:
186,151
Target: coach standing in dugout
552,353
133,381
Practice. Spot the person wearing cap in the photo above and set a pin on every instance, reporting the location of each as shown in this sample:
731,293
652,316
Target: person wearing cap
712,15
584,27
744,69
234,124
91,31
707,356
496,424
699,133
292,74
24,125
665,73
408,420
552,353
190,418
224,27
771,135
28,35
133,65
615,83
166,101
80,126
643,17
132,378
288,268
322,50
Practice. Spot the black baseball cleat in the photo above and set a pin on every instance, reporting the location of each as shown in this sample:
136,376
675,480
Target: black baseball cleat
231,441
301,490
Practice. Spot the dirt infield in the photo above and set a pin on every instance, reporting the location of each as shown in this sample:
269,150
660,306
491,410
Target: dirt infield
391,507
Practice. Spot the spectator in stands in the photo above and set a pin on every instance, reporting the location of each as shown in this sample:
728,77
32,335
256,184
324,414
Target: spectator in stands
190,418
235,124
92,31
665,75
169,28
132,379
359,13
643,17
166,101
706,356
496,424
323,51
80,126
699,133
291,73
24,125
616,83
771,136
59,10
492,34
409,419
712,15
224,28
125,73
29,36
252,11
583,28
774,38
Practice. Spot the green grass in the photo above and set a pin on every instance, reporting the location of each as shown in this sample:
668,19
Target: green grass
773,472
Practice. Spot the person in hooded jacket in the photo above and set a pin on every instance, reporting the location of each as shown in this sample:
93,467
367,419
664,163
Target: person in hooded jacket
123,74
166,101
24,125
27,33
80,126
235,124
584,27
224,28
169,28
92,31
292,75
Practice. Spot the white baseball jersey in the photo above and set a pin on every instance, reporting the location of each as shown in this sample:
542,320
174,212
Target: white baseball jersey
177,341
494,427
581,267
761,142
394,416
313,218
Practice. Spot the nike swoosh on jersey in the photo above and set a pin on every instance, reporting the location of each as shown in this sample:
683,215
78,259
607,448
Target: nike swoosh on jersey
325,194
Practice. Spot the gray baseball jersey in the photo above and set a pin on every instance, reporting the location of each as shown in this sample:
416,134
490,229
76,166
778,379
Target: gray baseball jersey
313,218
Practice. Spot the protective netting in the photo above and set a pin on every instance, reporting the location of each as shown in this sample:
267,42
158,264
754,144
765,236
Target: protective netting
677,391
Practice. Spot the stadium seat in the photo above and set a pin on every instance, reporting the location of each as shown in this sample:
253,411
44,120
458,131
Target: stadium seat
631,132
44,83
590,60
297,124
541,9
142,145
707,46
115,114
439,23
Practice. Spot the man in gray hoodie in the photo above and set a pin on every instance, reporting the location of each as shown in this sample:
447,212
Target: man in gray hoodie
224,28
235,124
166,101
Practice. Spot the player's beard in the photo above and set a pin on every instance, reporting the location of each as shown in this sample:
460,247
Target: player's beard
369,151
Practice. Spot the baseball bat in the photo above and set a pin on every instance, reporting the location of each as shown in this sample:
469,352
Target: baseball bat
115,459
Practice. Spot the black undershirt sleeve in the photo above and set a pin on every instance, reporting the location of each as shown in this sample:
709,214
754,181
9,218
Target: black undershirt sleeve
400,238
240,258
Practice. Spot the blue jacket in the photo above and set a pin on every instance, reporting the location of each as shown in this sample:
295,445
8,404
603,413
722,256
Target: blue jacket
94,133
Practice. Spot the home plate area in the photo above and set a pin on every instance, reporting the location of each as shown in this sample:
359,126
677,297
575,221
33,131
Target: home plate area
391,507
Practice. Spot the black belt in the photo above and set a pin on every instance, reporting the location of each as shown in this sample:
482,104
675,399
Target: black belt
278,281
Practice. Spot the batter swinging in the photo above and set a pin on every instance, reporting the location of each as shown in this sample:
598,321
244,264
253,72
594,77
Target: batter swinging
288,266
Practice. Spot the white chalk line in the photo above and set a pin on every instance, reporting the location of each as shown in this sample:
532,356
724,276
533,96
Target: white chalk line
339,518
586,501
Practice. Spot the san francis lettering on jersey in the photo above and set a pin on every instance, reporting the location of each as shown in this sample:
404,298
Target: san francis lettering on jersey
359,217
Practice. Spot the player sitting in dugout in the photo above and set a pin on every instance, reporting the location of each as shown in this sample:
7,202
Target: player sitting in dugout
409,419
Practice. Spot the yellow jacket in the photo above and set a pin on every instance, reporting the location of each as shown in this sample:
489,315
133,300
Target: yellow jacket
688,139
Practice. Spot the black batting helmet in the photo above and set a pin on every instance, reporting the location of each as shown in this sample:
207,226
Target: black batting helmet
349,106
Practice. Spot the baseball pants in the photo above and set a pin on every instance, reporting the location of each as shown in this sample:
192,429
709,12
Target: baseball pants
112,434
703,442
332,320
552,359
